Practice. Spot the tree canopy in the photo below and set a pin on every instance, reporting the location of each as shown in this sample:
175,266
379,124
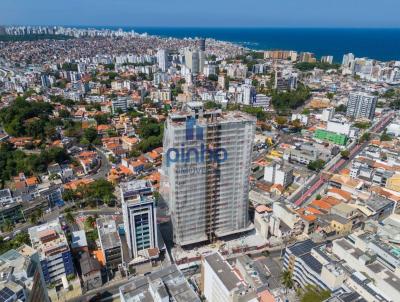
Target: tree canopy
316,165
306,66
23,118
314,294
151,134
13,161
17,241
285,101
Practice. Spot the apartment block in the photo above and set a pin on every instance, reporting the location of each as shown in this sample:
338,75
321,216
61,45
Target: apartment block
139,214
279,174
54,253
205,172
165,284
110,242
221,283
21,276
361,105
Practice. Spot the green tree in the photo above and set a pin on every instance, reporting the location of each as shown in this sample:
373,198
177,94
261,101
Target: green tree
68,195
362,125
22,118
281,120
385,137
287,279
213,77
89,222
296,124
316,165
7,226
64,113
17,241
365,137
39,213
345,153
314,294
69,217
341,108
90,134
285,101
306,66
102,119
330,95
211,105
33,219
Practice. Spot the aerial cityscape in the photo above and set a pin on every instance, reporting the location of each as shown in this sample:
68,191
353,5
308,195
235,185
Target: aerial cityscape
189,165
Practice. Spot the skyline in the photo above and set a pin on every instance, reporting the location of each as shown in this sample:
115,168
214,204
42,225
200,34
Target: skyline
178,13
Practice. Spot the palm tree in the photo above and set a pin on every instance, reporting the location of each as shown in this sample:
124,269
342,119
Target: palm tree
7,225
39,213
287,279
33,219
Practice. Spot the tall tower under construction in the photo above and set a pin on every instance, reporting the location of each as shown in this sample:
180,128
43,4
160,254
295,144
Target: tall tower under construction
205,172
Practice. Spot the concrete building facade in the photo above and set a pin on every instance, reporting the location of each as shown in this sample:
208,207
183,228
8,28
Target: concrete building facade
205,172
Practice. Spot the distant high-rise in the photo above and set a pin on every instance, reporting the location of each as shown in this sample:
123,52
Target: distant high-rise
348,63
361,105
347,58
162,59
119,104
194,60
205,172
202,44
249,94
307,57
139,215
327,59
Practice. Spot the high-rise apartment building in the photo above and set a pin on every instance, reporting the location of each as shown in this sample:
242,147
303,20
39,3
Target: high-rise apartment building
327,59
55,256
348,63
361,105
347,60
205,173
162,59
120,104
249,94
202,44
194,60
139,215
21,276
285,81
308,57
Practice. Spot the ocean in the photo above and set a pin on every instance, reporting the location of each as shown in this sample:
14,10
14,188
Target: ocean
379,44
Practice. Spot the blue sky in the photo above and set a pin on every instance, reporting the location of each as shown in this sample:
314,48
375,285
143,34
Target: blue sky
203,13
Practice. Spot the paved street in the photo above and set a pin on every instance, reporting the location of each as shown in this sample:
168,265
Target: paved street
56,212
104,166
316,184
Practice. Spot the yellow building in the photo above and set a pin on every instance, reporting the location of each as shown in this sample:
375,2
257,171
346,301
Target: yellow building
393,183
341,225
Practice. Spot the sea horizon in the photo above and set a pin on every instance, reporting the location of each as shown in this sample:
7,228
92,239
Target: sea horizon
379,43
375,43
